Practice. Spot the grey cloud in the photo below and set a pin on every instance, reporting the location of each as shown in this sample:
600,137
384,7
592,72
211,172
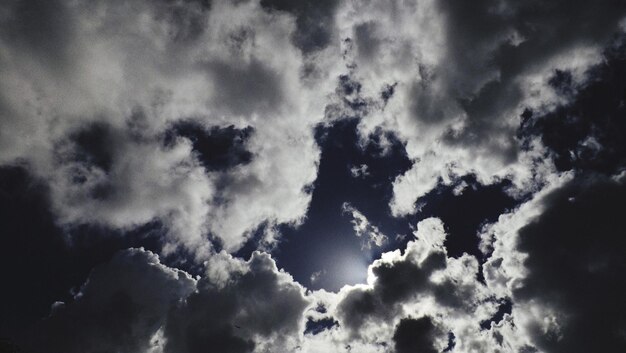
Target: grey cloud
479,42
121,306
575,261
408,278
246,88
314,19
465,74
141,68
415,335
366,40
42,29
258,302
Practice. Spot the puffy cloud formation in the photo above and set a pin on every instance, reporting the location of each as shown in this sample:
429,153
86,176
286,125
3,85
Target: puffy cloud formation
208,122
419,298
133,303
239,307
461,75
120,308
94,95
138,86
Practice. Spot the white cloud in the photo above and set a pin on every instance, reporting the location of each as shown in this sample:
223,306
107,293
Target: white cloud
371,235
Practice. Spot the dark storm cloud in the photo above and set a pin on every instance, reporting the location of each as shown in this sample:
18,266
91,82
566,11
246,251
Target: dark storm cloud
314,20
119,309
415,335
576,267
588,132
230,316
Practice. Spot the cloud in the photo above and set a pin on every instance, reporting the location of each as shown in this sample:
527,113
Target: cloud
463,74
314,20
208,118
92,88
574,263
415,335
420,281
119,308
255,307
363,229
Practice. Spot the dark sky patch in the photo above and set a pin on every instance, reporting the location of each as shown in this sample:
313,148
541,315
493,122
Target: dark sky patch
547,29
451,342
316,326
504,308
306,250
94,145
463,214
588,134
218,148
39,262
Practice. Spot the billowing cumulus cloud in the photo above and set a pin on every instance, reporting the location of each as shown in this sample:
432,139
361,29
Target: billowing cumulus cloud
463,74
91,89
464,160
120,307
239,307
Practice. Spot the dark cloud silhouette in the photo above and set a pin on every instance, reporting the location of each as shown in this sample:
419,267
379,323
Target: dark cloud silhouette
576,261
415,335
32,246
118,309
396,282
229,316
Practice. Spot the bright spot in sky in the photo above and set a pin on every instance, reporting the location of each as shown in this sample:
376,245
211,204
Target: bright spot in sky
343,269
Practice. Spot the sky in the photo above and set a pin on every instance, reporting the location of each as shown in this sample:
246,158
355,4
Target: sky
315,176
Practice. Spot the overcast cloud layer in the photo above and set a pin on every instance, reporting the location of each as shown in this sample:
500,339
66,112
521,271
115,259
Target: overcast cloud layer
158,160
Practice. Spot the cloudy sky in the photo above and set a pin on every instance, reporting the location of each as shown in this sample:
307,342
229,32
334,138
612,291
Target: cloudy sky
315,176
